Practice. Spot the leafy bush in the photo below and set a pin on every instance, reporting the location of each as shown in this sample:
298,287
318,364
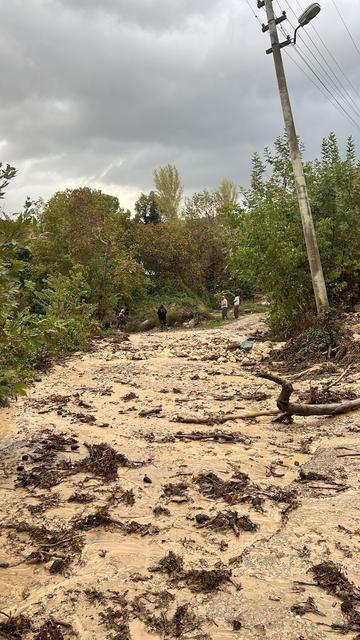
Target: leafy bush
271,252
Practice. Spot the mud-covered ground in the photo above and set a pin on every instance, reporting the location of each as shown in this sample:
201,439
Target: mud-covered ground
118,521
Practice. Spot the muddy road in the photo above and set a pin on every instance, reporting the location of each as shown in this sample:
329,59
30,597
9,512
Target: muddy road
118,521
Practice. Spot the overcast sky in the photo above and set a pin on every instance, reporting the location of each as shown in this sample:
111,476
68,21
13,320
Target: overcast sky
101,92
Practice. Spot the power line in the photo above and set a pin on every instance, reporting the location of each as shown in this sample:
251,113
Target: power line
254,12
348,115
337,84
346,27
336,62
331,54
322,75
327,94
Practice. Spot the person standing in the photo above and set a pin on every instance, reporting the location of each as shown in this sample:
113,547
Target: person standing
224,308
236,306
161,313
121,320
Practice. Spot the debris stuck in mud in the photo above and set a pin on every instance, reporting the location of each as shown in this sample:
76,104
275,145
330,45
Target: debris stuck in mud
225,521
232,491
104,461
171,564
214,513
333,580
21,627
206,580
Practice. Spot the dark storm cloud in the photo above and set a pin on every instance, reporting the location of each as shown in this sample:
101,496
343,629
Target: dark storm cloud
101,92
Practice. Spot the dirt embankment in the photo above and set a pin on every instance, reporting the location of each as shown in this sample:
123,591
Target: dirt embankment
120,522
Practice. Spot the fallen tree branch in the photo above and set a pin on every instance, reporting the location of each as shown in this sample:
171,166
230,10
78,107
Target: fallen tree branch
328,385
220,419
293,408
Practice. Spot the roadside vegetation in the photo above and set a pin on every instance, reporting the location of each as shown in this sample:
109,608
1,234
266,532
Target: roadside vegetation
69,265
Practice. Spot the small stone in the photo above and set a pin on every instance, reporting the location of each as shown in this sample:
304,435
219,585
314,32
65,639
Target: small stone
201,518
147,480
237,625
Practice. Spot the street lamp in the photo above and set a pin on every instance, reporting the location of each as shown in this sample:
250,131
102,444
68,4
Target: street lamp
307,15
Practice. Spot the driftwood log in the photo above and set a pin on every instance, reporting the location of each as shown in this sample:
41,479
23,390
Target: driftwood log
294,409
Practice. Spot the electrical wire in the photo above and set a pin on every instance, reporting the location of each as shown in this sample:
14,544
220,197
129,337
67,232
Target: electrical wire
327,94
330,54
324,69
346,27
310,67
254,12
323,88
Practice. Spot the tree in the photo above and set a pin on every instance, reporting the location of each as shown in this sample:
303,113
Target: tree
7,173
146,208
228,192
169,191
270,252
203,204
88,228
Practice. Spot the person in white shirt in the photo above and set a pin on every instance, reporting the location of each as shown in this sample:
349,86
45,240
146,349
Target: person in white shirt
224,308
236,306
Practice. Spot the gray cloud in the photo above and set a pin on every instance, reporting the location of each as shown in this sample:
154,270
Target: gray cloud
101,92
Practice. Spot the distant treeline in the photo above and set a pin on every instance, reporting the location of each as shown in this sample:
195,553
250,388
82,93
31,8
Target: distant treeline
67,266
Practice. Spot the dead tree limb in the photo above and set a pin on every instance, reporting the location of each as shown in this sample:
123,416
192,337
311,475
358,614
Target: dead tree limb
220,419
292,408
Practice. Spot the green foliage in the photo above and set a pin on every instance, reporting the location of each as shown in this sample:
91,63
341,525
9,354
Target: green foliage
88,228
169,191
146,208
7,173
68,266
270,255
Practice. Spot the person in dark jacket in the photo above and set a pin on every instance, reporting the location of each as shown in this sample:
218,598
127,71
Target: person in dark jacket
161,312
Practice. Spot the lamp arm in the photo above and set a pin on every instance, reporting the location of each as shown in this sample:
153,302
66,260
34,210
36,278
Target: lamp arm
295,32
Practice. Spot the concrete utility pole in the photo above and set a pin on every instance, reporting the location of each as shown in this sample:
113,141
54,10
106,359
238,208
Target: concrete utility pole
317,276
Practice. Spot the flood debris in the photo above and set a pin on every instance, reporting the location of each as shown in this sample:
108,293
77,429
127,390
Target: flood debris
102,518
45,472
161,511
222,437
103,461
21,627
288,496
46,502
99,518
206,580
309,606
333,580
295,409
141,529
81,498
125,496
63,545
181,623
226,520
171,564
309,476
117,622
170,489
232,491
322,394
153,411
